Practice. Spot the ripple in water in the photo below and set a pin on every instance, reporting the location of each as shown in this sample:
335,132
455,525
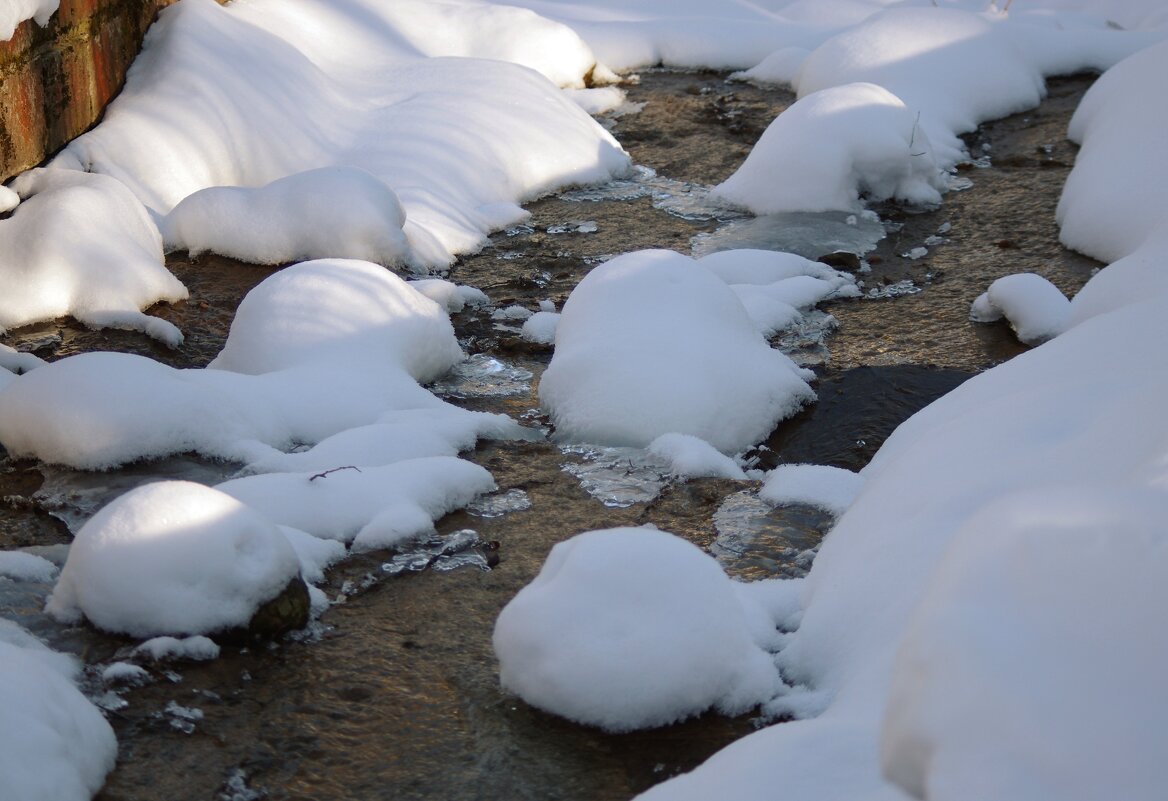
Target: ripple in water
757,541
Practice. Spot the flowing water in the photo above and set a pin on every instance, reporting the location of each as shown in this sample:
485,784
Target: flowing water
394,693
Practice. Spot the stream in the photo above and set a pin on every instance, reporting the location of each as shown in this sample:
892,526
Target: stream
394,692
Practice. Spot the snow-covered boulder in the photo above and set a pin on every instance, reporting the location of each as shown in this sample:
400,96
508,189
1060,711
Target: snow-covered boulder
651,343
1034,307
341,311
833,146
173,557
631,628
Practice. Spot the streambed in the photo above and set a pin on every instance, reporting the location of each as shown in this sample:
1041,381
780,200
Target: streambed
395,693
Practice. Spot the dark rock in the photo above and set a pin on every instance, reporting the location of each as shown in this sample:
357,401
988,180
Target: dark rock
841,260
287,611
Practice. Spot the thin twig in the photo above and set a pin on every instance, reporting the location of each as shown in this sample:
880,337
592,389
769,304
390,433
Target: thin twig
333,470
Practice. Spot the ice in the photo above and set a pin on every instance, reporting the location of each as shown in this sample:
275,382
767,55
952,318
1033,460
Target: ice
497,505
576,227
810,234
916,253
805,342
617,477
182,718
897,289
689,201
74,496
463,548
483,376
960,184
758,541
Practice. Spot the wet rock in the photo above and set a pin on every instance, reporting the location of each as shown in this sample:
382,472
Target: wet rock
286,612
841,260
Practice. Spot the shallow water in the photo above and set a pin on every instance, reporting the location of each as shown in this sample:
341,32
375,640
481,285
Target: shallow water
396,694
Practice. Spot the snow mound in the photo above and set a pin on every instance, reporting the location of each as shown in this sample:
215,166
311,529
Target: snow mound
829,488
339,310
172,557
993,669
833,146
195,649
651,343
17,362
54,744
371,507
354,216
691,457
1034,307
953,68
82,245
631,628
541,327
450,296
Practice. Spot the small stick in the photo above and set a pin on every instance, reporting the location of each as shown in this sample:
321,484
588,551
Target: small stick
333,470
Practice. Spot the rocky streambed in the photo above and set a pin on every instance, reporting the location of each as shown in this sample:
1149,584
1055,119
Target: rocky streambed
394,693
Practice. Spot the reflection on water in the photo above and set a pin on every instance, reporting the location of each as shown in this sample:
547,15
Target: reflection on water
757,541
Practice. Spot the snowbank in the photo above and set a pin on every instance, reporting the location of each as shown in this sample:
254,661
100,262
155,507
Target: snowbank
833,146
1114,197
172,557
15,12
82,244
244,95
631,628
54,744
651,343
994,670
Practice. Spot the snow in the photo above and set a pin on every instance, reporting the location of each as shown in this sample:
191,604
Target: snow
16,362
83,245
370,507
196,648
650,343
690,457
26,567
829,488
1111,201
169,558
54,744
315,349
333,310
15,12
1055,563
354,216
450,296
1035,308
245,95
833,146
541,327
631,628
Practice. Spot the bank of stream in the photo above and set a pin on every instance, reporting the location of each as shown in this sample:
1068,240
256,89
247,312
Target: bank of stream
394,693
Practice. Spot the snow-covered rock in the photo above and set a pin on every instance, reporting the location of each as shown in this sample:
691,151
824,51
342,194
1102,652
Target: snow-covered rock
631,628
829,488
172,557
650,343
833,146
1034,307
